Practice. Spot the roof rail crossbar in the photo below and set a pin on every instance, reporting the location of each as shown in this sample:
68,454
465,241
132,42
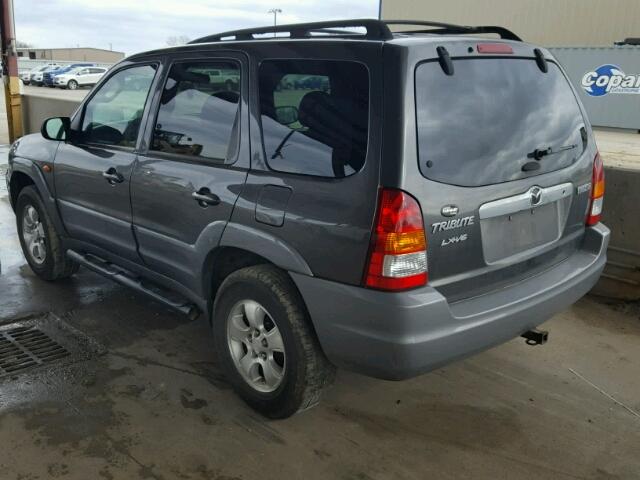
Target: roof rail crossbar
375,30
451,29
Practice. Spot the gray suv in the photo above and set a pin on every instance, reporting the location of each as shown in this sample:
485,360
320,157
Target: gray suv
382,202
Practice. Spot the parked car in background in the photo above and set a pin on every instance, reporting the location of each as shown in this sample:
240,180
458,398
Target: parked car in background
48,77
35,74
387,215
227,79
79,77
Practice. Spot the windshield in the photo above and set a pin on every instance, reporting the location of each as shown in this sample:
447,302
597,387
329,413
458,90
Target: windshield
495,120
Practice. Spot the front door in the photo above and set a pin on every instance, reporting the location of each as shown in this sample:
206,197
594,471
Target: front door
185,185
93,169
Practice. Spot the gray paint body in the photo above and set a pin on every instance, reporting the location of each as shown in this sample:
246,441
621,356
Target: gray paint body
319,229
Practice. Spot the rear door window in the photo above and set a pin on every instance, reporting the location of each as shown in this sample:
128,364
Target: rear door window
198,114
315,116
482,124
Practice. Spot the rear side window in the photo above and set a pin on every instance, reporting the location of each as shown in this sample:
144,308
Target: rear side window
198,114
315,116
482,124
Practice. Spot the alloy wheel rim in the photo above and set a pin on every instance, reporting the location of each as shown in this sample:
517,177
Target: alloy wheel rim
256,346
33,235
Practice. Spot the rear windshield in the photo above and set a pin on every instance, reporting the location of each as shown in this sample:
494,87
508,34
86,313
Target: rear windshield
495,120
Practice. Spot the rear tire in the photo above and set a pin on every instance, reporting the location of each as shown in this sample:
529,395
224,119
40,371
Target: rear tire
41,244
301,369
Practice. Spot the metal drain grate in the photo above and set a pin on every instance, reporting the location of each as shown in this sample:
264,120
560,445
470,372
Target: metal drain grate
25,347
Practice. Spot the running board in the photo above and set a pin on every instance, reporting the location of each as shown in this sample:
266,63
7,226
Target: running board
128,279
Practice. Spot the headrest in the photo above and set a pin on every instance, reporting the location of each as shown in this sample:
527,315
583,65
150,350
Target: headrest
316,107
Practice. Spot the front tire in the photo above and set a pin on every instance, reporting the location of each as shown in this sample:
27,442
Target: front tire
72,85
41,244
265,342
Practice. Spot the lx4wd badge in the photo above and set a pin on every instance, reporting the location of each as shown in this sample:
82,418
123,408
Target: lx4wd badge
456,239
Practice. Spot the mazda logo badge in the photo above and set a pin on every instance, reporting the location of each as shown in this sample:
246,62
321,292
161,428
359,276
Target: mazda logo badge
449,211
536,195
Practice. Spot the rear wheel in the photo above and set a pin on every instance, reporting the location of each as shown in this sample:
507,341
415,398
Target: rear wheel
41,244
72,85
265,342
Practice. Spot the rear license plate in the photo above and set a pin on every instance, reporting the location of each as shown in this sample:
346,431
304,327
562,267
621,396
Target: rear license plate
509,235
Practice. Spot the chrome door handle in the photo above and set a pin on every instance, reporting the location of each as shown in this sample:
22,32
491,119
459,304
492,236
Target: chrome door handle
204,197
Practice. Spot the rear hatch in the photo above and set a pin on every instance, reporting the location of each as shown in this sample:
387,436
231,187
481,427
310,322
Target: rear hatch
502,149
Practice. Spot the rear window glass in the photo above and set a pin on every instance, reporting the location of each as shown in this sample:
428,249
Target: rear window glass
481,125
315,116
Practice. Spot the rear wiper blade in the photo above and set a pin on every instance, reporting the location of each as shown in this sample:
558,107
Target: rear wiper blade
538,153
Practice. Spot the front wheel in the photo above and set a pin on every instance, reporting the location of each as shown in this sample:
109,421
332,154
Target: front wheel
72,85
265,342
41,244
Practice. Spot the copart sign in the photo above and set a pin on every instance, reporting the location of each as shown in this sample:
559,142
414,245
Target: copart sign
610,79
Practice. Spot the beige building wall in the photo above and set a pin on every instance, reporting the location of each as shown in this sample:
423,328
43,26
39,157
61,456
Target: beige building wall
545,22
97,55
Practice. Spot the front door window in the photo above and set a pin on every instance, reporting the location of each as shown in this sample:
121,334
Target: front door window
113,115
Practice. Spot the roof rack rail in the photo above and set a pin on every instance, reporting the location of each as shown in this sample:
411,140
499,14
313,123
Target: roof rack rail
375,30
452,29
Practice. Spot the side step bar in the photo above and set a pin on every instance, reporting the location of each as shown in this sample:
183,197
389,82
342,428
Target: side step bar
126,278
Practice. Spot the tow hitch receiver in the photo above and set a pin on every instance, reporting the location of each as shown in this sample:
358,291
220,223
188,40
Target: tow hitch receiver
536,337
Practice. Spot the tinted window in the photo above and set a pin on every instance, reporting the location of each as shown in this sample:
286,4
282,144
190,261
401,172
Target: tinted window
314,116
114,113
198,113
482,124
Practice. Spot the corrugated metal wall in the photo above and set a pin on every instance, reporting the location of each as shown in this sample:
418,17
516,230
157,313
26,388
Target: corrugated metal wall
545,22
620,110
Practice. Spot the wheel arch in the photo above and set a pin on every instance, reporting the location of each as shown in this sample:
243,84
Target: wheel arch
25,172
18,181
242,246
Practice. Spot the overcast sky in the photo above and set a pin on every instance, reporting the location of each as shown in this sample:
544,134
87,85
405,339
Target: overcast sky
132,26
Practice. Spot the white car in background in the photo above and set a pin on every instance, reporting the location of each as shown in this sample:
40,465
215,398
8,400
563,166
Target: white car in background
28,76
38,77
79,77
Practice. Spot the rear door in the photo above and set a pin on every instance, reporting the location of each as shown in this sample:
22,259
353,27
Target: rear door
83,76
504,168
187,179
95,74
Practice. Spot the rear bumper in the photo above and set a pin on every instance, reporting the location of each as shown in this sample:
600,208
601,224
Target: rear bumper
400,335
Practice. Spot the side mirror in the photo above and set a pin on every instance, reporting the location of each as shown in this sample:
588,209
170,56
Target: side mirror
56,128
287,115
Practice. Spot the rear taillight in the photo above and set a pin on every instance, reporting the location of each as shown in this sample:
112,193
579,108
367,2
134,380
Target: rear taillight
597,191
398,255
